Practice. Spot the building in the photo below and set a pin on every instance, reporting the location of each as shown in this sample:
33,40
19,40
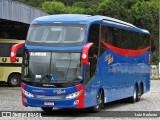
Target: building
15,18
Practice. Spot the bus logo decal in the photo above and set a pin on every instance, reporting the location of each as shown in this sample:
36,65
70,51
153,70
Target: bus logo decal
59,91
109,58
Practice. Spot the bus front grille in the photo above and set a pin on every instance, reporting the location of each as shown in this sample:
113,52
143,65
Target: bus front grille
49,97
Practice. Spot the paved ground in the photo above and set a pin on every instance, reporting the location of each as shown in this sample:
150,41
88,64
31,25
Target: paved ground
10,100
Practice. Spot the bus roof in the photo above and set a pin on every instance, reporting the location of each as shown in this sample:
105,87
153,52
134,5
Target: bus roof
87,19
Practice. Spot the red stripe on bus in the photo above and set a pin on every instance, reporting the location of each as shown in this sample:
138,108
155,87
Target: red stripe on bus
80,97
125,52
23,96
22,85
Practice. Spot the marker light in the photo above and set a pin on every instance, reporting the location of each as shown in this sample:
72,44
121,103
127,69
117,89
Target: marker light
76,102
73,95
12,54
84,56
28,93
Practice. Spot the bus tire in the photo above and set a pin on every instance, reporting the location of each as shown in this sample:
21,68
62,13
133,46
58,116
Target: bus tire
99,104
134,98
47,109
14,80
140,93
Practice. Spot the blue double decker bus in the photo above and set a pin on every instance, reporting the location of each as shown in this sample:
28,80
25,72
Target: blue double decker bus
83,61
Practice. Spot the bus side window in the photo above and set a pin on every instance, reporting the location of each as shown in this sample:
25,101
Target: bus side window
106,36
115,34
103,36
5,50
133,40
143,41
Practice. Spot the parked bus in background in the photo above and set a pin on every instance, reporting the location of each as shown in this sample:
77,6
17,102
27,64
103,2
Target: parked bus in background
83,61
10,72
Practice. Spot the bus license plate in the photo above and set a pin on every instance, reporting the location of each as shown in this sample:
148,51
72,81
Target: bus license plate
49,103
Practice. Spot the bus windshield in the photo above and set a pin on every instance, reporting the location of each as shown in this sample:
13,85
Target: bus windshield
56,35
52,67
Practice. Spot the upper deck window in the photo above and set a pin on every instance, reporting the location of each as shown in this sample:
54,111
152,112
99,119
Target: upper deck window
56,34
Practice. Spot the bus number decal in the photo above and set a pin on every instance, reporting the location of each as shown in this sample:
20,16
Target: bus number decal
38,53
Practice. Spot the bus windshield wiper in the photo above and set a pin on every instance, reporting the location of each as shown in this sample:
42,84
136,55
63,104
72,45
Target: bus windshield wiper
76,80
71,81
45,76
27,80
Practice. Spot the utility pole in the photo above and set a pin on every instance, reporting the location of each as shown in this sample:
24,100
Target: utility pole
159,41
159,50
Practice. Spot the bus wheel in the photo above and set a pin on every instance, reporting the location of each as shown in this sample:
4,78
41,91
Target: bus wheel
14,80
134,98
47,109
99,104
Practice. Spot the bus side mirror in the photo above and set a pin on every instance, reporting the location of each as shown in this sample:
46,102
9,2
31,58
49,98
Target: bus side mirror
85,52
14,50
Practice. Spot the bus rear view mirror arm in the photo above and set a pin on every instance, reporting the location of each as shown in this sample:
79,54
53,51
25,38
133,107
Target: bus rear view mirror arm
85,52
14,51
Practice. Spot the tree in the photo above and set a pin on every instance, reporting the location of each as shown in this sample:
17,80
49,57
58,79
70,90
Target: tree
111,8
145,15
75,10
53,7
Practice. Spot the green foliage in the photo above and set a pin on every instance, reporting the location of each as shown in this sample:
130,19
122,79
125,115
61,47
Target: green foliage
111,8
79,4
53,7
68,2
92,10
155,60
75,10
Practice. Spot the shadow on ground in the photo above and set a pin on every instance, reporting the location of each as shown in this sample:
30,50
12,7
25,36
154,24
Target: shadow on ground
3,85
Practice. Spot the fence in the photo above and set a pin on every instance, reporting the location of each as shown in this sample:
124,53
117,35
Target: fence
155,72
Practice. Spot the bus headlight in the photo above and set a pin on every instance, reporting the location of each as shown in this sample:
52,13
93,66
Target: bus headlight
27,93
73,95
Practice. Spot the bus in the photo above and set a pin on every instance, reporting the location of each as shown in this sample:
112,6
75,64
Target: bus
10,72
83,61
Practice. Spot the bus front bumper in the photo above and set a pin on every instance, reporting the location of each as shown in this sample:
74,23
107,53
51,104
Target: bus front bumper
72,97
66,103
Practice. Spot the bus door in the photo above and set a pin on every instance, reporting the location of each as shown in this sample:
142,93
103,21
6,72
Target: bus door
92,72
